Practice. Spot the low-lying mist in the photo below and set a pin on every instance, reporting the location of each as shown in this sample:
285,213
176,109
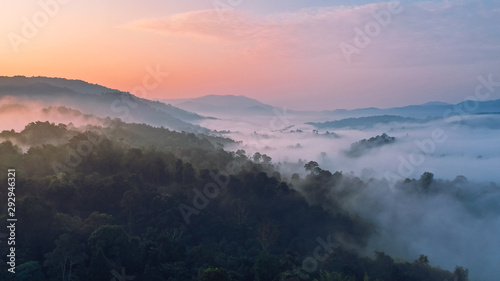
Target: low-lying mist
450,214
447,149
452,222
15,114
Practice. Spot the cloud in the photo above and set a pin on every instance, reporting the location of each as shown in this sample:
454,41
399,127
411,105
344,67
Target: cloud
288,34
423,33
202,24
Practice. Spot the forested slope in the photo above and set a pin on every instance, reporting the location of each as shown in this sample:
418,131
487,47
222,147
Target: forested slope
103,202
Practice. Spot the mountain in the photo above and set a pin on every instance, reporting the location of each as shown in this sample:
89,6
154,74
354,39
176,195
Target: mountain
369,117
22,83
179,114
99,101
221,105
430,109
364,122
231,105
435,103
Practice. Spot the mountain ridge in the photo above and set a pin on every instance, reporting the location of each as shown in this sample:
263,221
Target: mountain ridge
99,101
184,114
243,105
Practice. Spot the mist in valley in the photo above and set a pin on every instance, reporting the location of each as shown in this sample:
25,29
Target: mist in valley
452,217
16,113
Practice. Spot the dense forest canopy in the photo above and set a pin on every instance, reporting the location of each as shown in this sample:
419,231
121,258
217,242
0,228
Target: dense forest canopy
98,203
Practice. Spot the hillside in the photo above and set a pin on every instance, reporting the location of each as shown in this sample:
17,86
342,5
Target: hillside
99,101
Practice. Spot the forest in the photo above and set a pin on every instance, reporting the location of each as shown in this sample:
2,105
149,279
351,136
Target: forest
134,202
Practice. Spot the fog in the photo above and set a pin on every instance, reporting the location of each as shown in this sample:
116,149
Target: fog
455,221
452,222
15,114
467,148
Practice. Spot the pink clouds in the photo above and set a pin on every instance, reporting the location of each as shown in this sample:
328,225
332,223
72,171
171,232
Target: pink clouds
439,26
426,52
203,24
432,50
307,32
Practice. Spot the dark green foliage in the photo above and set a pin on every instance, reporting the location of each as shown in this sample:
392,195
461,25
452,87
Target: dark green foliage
312,167
116,213
359,148
29,271
461,274
267,267
334,276
214,274
67,259
365,122
426,180
37,133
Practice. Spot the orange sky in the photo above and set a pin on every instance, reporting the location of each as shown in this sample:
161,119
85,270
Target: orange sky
286,55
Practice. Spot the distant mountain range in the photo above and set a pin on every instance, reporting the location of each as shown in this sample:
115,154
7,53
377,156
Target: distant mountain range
47,85
222,105
241,105
185,114
427,110
99,101
369,117
365,122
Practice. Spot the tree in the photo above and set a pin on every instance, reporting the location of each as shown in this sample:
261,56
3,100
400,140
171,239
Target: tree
460,274
256,157
95,220
178,170
113,241
267,233
266,159
29,271
423,260
241,212
100,267
313,167
132,159
155,171
66,257
214,274
188,173
334,276
267,267
10,155
426,180
241,154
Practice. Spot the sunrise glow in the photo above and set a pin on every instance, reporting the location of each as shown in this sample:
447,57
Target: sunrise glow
290,54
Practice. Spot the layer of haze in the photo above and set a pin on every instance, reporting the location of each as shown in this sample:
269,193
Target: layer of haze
15,114
454,221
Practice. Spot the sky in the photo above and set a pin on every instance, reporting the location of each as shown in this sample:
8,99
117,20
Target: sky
302,54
